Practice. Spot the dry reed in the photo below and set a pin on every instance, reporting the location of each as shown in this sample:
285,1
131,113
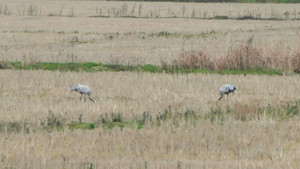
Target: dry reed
244,56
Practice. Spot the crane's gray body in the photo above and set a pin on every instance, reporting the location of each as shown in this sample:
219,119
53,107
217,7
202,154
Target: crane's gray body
83,89
226,89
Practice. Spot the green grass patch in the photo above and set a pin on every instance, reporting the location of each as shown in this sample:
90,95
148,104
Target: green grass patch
221,17
151,68
86,67
94,67
80,125
252,71
109,121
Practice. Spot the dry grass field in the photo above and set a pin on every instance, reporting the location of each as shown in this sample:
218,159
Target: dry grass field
54,36
259,141
145,120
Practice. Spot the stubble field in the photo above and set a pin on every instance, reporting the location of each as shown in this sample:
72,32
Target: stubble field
140,119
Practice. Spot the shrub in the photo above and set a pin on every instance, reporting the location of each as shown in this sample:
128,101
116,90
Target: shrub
194,60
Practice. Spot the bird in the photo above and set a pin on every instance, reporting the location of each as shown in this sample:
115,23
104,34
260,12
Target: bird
83,89
226,89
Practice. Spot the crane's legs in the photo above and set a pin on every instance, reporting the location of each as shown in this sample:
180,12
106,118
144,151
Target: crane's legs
92,99
220,97
89,98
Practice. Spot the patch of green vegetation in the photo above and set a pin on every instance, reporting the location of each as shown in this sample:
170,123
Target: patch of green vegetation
252,71
94,67
118,68
188,36
80,125
217,114
151,68
116,120
86,67
283,112
221,17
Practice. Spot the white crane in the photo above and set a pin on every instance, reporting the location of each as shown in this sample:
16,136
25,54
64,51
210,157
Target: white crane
83,89
226,89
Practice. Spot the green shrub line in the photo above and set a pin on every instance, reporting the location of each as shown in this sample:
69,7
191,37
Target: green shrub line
218,115
95,67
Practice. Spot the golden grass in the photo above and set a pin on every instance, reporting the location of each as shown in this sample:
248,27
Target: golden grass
131,93
81,38
30,95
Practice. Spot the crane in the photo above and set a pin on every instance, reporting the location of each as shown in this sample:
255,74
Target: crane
226,89
83,90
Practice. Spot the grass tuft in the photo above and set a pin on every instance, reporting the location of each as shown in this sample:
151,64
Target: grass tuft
53,122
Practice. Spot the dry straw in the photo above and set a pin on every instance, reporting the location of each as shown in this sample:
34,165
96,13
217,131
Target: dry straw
244,56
